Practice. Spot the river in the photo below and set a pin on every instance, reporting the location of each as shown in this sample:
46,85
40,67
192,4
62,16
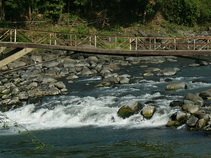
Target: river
85,123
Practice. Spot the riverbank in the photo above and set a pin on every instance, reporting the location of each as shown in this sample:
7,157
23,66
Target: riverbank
53,73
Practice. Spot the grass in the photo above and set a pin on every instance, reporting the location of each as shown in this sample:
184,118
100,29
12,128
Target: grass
75,24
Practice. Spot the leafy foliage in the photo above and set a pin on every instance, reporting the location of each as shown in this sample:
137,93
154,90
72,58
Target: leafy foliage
185,12
102,13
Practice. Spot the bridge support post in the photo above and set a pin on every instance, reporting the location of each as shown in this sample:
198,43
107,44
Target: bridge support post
15,56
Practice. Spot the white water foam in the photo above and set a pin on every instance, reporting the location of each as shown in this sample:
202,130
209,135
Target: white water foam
71,112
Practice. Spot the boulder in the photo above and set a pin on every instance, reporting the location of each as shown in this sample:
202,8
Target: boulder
16,64
173,123
14,100
23,96
177,119
124,79
114,79
36,58
190,107
128,110
86,72
53,91
191,122
60,85
32,85
194,98
201,114
203,63
181,116
205,94
201,123
98,67
15,91
6,91
72,77
176,86
148,74
92,59
51,64
148,111
104,84
169,71
48,80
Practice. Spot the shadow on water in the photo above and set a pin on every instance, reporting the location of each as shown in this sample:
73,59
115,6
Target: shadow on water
108,142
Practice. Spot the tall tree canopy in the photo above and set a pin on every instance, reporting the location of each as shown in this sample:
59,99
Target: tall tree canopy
101,12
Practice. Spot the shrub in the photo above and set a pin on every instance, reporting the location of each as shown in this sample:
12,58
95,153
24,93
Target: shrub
185,12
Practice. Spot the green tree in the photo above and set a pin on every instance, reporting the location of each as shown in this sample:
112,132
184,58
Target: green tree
205,11
2,11
185,12
53,9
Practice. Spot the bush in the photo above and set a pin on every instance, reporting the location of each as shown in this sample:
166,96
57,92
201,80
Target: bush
205,11
183,12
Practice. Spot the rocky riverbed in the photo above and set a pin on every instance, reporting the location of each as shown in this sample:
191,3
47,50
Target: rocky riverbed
49,73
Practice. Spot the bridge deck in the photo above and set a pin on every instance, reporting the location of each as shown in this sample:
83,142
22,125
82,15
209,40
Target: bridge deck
109,51
112,45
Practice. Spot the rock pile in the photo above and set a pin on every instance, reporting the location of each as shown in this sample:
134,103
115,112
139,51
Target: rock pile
194,111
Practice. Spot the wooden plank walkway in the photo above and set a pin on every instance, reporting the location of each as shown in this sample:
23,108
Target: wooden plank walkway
111,45
109,51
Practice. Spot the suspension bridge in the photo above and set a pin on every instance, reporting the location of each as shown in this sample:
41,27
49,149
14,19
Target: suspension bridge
23,42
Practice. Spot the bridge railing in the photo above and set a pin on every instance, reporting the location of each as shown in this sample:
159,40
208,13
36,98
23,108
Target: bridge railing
106,42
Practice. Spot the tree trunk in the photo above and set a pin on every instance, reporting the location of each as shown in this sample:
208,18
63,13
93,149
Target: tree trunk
2,12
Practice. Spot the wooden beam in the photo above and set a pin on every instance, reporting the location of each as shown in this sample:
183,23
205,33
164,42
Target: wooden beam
15,56
109,51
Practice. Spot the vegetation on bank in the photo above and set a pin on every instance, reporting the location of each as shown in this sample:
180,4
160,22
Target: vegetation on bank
119,16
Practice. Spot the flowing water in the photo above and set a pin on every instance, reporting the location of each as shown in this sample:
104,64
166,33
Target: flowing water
84,123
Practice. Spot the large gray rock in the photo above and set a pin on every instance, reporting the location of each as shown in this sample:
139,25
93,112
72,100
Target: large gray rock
14,100
113,79
92,59
194,98
190,107
72,77
86,72
60,85
48,80
23,96
201,123
51,64
148,111
124,79
128,110
36,58
191,122
176,86
205,94
169,71
32,85
16,64
177,119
